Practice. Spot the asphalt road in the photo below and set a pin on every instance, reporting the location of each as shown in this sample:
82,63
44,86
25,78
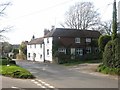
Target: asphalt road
61,77
13,83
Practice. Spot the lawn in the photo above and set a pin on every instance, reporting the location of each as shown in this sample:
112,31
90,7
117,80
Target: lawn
13,70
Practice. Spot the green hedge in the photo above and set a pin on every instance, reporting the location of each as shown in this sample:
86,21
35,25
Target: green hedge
102,41
111,55
6,61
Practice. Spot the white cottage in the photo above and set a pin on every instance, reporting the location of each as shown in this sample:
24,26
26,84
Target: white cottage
35,50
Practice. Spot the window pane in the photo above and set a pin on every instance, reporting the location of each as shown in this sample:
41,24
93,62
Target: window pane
47,51
88,49
88,39
77,40
47,40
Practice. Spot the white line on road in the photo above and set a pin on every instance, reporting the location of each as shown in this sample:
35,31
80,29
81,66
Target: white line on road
14,87
46,84
42,84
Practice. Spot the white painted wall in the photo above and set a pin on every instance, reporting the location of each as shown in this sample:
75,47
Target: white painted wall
119,11
48,46
118,17
38,50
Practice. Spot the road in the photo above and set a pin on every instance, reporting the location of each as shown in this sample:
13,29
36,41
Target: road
8,82
61,77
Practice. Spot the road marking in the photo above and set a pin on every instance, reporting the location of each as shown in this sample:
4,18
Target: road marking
14,87
46,84
42,84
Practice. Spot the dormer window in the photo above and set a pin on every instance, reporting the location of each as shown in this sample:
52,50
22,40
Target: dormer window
77,40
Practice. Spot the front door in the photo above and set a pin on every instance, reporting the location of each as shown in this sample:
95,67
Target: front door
34,56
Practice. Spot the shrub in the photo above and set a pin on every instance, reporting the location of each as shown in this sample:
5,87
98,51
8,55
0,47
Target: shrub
107,70
12,62
4,61
92,56
102,41
111,55
63,58
7,60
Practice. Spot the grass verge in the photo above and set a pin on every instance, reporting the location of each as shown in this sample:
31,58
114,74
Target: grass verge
15,72
107,70
9,68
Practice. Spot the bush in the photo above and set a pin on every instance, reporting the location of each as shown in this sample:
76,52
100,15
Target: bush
63,58
12,62
102,41
92,56
3,61
6,61
111,55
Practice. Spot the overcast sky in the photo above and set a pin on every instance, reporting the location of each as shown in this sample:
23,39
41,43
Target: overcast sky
30,17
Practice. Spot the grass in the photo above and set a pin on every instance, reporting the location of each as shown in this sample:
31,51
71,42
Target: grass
82,62
13,70
107,70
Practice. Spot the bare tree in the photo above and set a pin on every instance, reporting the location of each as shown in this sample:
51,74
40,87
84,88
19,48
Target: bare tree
105,27
82,16
3,7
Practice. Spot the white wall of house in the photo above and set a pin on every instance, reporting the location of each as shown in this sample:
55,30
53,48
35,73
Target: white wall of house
48,48
119,11
38,49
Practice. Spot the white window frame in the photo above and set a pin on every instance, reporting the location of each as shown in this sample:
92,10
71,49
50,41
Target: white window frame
40,56
77,40
88,50
47,40
48,52
96,49
30,46
79,51
34,45
62,50
29,55
40,45
88,40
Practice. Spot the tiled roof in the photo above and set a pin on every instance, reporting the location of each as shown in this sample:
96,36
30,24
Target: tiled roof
61,32
36,41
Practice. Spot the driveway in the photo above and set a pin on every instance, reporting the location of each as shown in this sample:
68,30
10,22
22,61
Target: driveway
68,77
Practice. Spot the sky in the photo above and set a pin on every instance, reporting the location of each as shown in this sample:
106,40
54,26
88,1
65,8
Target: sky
31,17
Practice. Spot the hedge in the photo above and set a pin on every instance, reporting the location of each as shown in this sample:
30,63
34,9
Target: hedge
111,55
